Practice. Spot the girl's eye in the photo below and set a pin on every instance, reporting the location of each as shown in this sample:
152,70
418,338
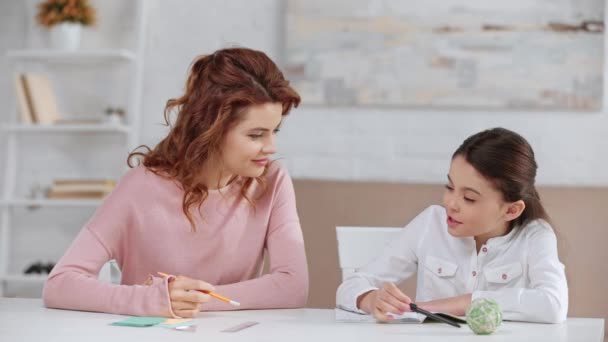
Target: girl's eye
449,187
255,136
469,200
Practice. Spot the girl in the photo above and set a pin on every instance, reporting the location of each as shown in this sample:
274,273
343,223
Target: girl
205,205
490,239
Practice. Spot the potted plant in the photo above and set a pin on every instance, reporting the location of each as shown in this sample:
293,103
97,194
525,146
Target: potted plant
115,116
65,19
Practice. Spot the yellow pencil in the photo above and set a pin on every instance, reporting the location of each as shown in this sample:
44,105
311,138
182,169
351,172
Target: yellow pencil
212,294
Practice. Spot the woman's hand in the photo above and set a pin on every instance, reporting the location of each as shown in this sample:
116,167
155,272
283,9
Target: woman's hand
388,299
186,300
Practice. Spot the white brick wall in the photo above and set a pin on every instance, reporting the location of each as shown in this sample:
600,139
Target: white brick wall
330,143
416,146
358,143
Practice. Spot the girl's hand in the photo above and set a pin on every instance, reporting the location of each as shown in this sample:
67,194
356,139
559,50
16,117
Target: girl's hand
454,305
388,299
186,301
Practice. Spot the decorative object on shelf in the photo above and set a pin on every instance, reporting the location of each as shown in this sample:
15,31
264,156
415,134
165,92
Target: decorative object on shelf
115,115
37,191
65,19
39,268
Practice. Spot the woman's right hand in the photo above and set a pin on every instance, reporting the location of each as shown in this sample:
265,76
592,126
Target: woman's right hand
388,299
186,300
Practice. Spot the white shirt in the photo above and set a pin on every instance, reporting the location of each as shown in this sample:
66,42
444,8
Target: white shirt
520,271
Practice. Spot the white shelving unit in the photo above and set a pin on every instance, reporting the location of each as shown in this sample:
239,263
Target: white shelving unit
50,203
75,57
14,132
67,128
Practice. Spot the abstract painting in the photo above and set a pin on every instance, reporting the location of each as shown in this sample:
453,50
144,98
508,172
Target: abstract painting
471,54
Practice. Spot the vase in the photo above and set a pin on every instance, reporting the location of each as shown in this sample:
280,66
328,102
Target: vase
66,36
114,119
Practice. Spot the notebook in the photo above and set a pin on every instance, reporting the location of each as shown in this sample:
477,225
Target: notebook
408,317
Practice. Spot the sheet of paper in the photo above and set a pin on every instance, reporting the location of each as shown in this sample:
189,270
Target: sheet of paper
177,323
171,322
140,321
348,316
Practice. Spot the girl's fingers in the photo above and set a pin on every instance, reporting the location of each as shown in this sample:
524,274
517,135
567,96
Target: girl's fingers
379,315
384,304
388,295
394,291
387,307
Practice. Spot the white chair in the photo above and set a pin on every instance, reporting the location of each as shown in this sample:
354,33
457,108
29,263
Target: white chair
110,273
357,246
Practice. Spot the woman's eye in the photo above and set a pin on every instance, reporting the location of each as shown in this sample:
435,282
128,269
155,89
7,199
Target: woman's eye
470,200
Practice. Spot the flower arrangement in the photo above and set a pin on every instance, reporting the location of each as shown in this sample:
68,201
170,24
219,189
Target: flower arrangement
52,12
115,115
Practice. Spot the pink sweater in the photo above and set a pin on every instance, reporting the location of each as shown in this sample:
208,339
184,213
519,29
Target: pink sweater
141,225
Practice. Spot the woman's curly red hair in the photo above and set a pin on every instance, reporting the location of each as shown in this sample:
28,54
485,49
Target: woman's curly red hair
219,87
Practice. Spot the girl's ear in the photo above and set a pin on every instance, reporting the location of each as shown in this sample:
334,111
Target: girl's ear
514,210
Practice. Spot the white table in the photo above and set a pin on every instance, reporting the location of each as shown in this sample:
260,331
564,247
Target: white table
28,320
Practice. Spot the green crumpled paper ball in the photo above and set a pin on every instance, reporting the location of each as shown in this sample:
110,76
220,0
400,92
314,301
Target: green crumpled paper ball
484,316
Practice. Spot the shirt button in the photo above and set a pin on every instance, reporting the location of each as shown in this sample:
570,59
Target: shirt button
485,250
439,270
504,276
474,273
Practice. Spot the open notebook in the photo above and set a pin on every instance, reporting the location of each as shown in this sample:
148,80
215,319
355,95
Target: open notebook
408,317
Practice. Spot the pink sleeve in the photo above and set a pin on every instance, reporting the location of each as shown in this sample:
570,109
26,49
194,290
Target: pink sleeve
73,283
286,286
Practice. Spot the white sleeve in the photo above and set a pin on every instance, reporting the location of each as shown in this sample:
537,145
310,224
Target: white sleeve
397,262
546,300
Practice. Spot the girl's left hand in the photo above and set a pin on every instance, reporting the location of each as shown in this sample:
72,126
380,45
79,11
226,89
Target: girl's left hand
454,305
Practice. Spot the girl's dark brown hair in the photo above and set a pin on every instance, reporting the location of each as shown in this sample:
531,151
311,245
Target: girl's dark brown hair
219,88
507,160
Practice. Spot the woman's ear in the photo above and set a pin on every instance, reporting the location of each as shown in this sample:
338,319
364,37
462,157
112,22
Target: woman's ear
514,210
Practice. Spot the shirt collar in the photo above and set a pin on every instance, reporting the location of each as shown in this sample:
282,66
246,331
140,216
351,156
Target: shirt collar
500,240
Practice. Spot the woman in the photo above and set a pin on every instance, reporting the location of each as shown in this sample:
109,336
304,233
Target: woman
204,205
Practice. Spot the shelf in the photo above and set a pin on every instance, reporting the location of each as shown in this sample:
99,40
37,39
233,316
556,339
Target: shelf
66,128
104,73
72,57
51,203
24,278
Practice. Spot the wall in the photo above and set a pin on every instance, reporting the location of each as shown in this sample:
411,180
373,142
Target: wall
355,143
324,143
